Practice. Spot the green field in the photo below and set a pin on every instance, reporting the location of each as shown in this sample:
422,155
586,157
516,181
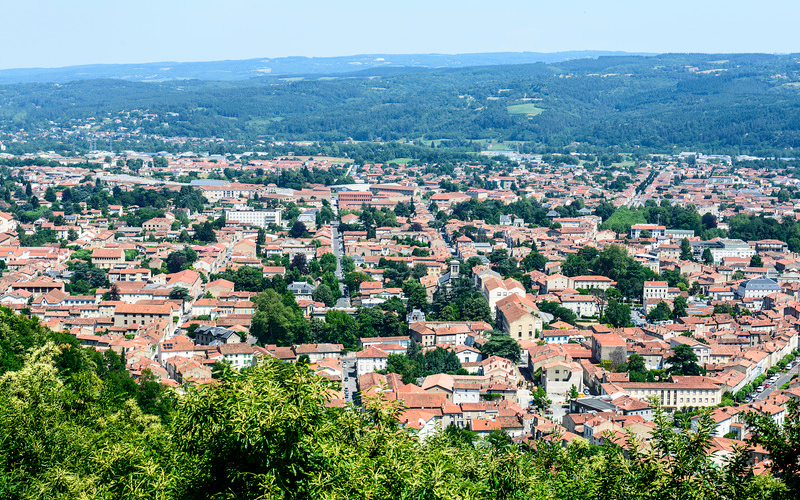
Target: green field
401,161
498,145
524,109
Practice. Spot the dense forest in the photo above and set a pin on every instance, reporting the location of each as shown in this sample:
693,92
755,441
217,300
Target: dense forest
745,103
73,424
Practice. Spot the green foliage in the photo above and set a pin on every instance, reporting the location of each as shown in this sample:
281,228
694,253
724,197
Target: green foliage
278,320
661,312
679,305
683,361
181,260
37,239
323,294
617,314
622,220
559,312
205,233
502,345
414,364
574,265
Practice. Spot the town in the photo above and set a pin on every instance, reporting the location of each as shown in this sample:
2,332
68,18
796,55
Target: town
547,296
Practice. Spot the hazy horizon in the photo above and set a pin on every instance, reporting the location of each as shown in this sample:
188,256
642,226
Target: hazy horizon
49,34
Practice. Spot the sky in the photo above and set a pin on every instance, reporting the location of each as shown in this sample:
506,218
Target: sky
54,33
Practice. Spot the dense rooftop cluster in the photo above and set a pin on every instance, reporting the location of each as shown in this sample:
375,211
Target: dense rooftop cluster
547,299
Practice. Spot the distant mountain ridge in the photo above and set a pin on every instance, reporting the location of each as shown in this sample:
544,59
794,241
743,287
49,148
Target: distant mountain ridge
230,70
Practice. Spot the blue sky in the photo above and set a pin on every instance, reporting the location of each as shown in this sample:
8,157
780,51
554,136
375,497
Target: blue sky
51,33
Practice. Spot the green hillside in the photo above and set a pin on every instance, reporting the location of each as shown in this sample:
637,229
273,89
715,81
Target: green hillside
742,103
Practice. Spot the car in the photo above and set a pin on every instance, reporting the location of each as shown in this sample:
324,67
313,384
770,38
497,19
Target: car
766,385
760,388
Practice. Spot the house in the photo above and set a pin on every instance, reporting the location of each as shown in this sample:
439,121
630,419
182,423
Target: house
219,286
655,290
128,314
581,305
106,258
495,289
208,335
371,359
609,347
558,378
179,345
591,282
672,395
318,352
188,279
301,290
518,317
655,230
238,355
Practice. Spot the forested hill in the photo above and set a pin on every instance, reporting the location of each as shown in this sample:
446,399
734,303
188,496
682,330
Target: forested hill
744,103
250,68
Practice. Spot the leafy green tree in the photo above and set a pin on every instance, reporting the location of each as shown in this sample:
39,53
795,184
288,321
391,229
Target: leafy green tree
679,305
612,262
402,365
683,361
661,312
637,370
180,293
781,441
559,312
353,281
476,309
419,271
416,295
574,265
708,258
501,344
323,294
617,314
328,262
686,250
533,261
278,320
205,233
348,265
298,230
755,261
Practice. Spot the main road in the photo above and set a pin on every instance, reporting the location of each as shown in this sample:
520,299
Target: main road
782,380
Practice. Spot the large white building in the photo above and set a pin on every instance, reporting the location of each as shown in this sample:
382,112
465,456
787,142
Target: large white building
757,287
257,218
723,248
